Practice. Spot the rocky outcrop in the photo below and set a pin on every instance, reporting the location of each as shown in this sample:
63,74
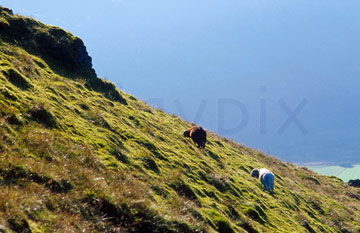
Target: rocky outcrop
65,53
7,10
58,47
354,183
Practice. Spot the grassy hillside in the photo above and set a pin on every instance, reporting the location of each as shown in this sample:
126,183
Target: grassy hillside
78,155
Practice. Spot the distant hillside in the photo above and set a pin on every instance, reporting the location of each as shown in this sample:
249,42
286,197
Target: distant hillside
344,173
78,155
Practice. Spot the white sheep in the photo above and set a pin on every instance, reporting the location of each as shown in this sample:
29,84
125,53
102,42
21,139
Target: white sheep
266,177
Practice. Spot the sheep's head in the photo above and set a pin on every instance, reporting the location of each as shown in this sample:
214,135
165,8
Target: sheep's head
186,133
255,173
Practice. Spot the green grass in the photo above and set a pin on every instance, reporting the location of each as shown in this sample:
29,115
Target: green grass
74,158
344,173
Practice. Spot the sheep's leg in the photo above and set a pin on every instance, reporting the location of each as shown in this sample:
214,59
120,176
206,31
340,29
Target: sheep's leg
264,180
265,184
272,185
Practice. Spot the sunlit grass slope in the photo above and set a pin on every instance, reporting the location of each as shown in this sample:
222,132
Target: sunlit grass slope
78,155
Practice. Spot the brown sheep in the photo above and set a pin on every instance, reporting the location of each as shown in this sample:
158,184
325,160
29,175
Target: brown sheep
197,134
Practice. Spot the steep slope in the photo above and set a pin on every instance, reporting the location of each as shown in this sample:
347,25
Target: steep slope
78,155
